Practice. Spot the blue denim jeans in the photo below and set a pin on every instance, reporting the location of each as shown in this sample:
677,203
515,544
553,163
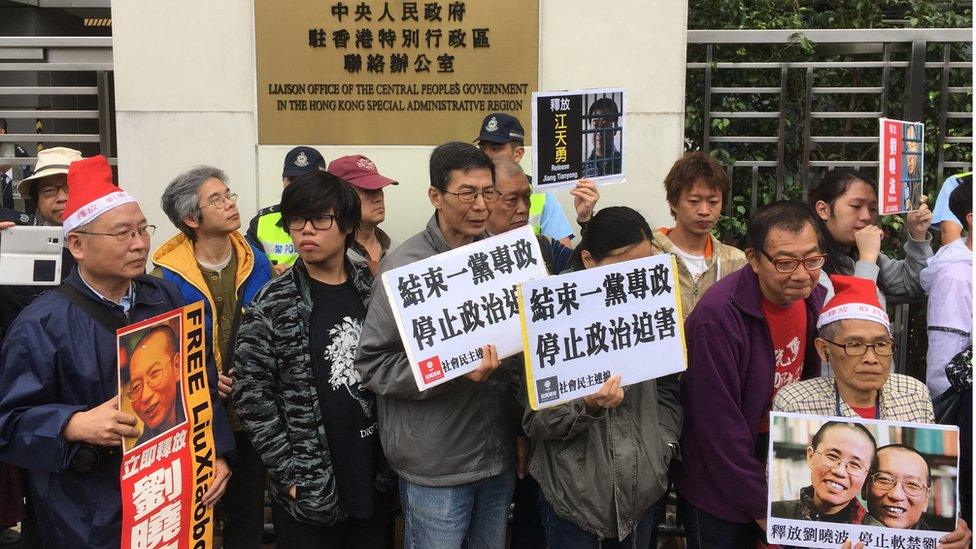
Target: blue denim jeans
566,535
444,517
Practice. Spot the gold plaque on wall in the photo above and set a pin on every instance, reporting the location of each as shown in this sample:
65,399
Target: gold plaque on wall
377,72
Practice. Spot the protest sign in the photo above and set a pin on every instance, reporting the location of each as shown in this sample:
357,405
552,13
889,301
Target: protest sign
449,306
883,483
166,470
577,134
580,328
901,166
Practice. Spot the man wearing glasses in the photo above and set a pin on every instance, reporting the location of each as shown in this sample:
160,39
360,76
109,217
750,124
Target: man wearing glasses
453,445
604,158
298,394
59,415
855,342
750,335
210,261
47,188
898,489
151,382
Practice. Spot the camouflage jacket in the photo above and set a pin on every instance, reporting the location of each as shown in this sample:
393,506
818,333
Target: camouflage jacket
276,399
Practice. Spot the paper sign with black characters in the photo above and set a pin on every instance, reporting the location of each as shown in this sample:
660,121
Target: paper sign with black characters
901,166
577,134
580,328
885,484
449,306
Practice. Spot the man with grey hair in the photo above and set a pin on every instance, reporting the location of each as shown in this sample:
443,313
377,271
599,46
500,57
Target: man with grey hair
210,261
511,211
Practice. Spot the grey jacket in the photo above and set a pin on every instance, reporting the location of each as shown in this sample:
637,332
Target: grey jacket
454,433
603,472
898,276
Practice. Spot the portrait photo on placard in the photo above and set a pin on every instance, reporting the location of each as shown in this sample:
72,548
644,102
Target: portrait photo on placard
833,479
150,370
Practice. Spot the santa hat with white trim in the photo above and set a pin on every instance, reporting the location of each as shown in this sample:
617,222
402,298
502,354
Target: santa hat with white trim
854,298
91,192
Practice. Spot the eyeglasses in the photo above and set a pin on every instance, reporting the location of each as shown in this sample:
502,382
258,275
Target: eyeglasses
153,379
856,348
50,191
832,460
512,200
786,265
221,201
886,481
123,236
470,195
322,222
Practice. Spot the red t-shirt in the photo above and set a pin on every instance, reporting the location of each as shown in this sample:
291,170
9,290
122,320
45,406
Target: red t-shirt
867,413
788,332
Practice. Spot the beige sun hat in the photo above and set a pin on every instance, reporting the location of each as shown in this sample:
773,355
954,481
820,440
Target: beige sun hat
51,161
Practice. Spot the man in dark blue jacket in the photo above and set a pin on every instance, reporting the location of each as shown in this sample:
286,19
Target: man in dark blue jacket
59,415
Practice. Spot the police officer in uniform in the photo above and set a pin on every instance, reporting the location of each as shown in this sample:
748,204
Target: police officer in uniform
263,230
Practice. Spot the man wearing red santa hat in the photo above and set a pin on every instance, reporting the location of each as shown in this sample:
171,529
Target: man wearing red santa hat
855,342
59,415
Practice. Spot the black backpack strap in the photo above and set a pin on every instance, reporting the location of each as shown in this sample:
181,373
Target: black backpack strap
95,310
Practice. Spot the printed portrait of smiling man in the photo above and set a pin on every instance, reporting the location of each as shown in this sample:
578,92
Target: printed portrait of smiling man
151,383
898,490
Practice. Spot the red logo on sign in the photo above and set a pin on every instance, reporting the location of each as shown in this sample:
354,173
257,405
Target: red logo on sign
431,369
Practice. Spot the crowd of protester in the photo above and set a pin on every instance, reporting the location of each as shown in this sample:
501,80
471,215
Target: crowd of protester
316,403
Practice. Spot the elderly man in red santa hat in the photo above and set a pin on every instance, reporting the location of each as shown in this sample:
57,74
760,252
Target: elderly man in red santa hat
59,415
855,342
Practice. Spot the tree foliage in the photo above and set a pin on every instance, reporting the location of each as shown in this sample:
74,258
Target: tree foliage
799,15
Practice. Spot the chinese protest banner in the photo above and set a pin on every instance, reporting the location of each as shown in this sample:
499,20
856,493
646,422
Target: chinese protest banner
901,166
449,306
166,470
577,134
391,72
885,484
580,328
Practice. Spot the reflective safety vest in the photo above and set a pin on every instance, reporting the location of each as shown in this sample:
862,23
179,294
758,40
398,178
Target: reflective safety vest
275,241
536,205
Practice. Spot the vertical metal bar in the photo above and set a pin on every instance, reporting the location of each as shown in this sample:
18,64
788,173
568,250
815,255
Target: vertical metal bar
807,122
728,201
707,101
781,138
104,114
885,75
754,199
943,115
915,91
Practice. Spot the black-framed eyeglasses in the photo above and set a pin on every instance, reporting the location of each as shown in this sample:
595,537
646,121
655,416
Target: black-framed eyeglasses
857,348
123,236
220,202
153,379
50,191
470,195
887,481
322,222
788,265
854,468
